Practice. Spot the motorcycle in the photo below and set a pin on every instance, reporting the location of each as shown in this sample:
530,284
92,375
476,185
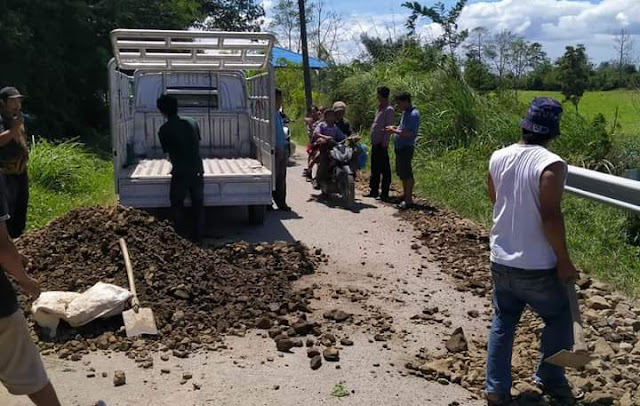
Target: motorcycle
342,165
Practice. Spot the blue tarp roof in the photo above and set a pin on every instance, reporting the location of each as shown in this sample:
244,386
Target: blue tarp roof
278,54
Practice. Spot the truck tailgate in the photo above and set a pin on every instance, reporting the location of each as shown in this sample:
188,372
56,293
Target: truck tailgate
213,167
228,182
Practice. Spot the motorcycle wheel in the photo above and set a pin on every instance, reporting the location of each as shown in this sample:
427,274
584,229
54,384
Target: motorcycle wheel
348,191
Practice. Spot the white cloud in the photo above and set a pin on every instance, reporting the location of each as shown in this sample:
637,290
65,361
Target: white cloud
557,23
623,19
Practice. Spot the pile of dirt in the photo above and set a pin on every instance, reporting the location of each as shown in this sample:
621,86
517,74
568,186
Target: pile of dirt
612,329
197,295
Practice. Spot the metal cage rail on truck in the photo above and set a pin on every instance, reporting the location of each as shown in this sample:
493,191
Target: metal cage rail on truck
191,50
225,81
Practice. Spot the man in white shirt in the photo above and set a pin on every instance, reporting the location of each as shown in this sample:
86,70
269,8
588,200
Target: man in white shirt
530,262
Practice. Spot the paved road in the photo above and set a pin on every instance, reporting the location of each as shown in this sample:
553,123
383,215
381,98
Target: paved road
370,250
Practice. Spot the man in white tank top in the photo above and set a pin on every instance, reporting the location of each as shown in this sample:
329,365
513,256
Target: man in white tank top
530,262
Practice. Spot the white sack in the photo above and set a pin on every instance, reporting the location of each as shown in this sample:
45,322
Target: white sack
102,300
50,307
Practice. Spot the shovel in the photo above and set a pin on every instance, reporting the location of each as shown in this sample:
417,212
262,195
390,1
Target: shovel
578,356
138,320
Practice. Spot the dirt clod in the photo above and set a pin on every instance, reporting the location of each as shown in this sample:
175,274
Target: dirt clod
316,362
119,378
331,354
313,352
457,342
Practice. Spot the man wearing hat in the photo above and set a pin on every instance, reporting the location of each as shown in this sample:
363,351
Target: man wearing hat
343,124
14,155
530,263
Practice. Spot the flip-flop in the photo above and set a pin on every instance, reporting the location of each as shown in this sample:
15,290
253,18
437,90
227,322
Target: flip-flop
404,206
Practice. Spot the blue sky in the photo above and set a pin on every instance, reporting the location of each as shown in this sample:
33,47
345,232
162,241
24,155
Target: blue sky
554,23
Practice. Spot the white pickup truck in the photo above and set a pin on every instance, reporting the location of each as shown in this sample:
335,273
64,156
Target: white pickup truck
226,82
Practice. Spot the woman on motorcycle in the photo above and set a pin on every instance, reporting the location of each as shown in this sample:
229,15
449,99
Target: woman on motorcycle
327,129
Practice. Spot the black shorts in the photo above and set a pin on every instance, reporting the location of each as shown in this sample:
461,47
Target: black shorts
404,168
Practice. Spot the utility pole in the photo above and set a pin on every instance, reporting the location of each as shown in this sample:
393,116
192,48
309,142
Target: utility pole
305,56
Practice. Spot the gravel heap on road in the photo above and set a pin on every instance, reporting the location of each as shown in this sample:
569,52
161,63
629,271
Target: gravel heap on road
196,294
612,322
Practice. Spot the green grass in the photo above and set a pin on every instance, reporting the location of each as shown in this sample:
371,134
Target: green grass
340,390
299,133
64,177
596,233
626,101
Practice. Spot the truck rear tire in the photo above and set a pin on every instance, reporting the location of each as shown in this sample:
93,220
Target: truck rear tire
257,215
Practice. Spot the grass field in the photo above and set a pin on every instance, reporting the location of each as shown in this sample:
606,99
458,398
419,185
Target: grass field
64,177
626,101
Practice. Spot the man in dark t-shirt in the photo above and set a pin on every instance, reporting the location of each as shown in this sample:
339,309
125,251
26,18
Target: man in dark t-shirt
180,138
21,369
14,154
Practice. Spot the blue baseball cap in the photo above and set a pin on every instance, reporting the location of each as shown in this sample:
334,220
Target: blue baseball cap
543,117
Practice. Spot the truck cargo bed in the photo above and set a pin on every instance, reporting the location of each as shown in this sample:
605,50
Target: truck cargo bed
227,182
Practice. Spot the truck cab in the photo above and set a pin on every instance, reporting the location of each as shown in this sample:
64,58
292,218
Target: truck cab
224,81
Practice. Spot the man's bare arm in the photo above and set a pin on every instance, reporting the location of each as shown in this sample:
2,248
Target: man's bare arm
12,262
491,189
551,189
7,136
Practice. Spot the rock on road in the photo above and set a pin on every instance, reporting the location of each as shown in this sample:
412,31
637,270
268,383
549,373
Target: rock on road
374,268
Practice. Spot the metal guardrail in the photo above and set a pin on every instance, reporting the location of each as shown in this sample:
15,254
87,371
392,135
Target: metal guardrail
612,190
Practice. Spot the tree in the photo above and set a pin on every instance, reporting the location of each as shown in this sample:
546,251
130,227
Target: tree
452,38
498,51
574,71
623,44
524,56
61,62
543,76
230,15
385,50
327,25
477,75
286,22
477,43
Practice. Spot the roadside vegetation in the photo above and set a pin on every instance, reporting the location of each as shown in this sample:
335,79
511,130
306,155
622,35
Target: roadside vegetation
63,177
461,126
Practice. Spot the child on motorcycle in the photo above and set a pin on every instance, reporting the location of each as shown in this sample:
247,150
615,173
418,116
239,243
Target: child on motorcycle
311,121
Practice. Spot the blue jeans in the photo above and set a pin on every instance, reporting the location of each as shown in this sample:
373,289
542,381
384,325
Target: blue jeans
546,295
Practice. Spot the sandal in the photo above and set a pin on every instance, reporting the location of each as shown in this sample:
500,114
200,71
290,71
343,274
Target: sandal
405,206
563,393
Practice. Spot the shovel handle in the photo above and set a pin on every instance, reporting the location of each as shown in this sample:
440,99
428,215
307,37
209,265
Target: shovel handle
579,344
127,264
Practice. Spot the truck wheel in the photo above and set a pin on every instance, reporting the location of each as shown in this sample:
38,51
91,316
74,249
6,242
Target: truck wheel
257,214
